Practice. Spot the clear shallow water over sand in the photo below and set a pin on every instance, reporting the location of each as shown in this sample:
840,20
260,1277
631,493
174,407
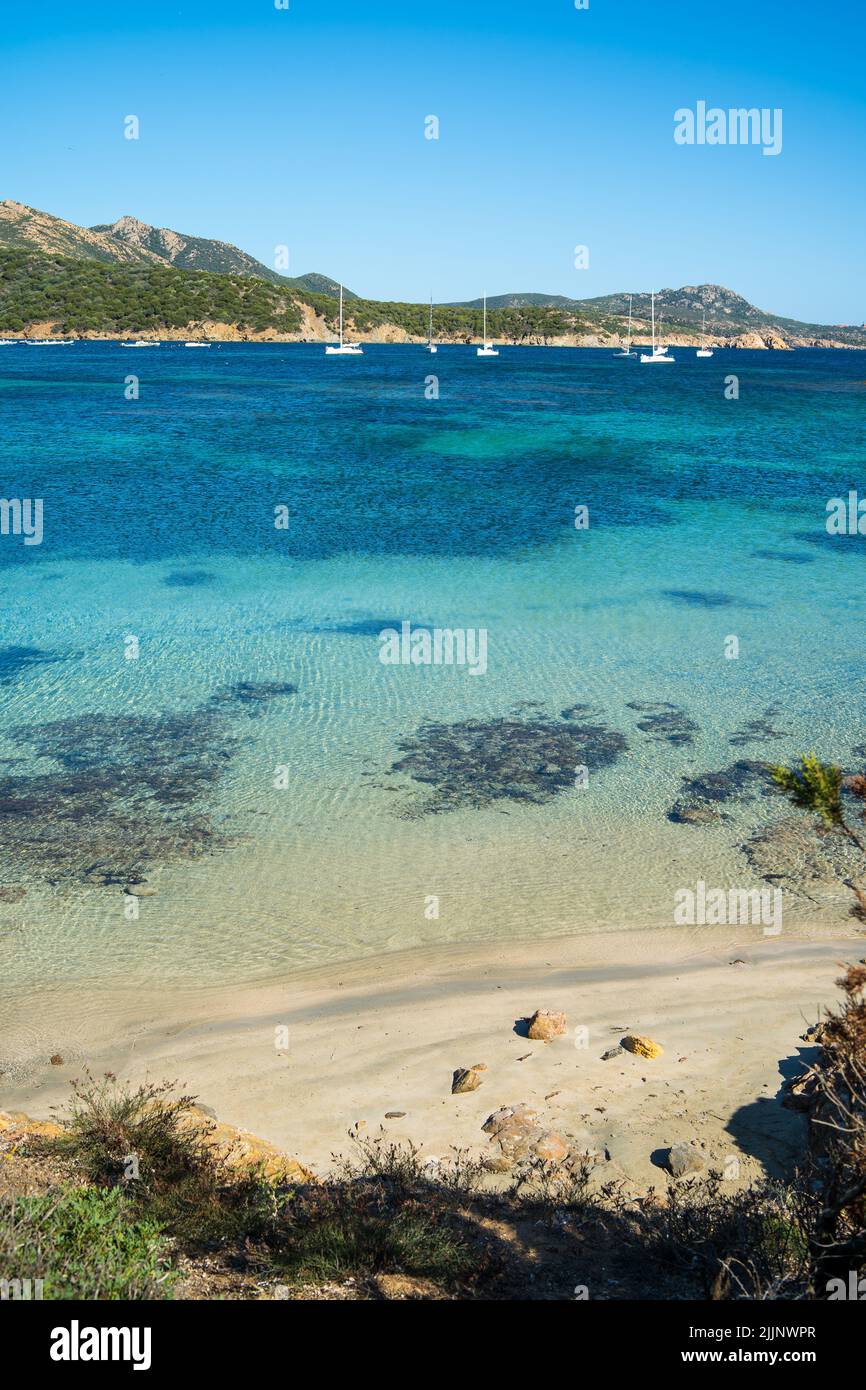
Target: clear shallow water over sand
707,519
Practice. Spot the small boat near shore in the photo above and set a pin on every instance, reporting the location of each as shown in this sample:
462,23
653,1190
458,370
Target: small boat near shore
343,349
487,349
703,350
143,342
198,345
658,353
50,342
626,351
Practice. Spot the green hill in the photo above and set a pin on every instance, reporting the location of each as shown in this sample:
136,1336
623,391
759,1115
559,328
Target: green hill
322,284
86,296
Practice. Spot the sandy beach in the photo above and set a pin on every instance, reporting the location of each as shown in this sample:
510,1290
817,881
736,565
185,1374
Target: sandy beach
304,1062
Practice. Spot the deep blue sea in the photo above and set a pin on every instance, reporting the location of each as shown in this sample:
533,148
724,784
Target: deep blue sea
193,697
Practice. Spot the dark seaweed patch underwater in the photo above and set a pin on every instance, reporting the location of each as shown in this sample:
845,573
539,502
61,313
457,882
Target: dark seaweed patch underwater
664,722
479,762
702,796
132,792
17,661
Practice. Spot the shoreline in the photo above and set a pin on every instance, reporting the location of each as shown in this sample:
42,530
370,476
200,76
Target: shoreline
385,1034
391,336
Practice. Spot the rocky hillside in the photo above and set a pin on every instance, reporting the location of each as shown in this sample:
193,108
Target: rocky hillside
128,241
28,229
185,252
728,316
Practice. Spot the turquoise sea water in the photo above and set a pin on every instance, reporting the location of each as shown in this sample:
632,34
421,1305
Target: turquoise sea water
706,522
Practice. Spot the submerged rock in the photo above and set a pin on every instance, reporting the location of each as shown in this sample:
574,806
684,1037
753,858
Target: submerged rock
17,661
700,598
129,791
742,781
757,730
789,852
478,762
664,722
189,579
694,815
255,694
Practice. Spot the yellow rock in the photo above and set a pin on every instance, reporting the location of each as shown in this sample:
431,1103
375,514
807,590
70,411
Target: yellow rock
12,1121
242,1150
642,1047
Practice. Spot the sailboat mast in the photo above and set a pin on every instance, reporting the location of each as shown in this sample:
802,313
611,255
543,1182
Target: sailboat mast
628,345
654,320
485,321
341,316
430,335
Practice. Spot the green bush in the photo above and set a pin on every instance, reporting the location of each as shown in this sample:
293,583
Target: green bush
83,1243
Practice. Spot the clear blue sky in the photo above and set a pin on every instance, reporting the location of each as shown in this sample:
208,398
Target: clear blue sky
306,127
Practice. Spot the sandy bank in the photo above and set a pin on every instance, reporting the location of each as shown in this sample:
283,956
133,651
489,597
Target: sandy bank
301,1062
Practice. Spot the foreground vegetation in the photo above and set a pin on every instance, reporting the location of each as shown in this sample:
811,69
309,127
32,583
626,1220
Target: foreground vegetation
141,1204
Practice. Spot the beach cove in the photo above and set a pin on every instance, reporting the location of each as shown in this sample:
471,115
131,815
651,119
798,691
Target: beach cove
212,783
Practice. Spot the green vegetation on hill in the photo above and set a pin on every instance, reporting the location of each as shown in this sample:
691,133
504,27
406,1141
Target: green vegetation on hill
322,284
84,296
458,322
88,296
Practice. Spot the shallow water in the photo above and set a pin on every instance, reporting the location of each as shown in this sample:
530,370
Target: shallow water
706,522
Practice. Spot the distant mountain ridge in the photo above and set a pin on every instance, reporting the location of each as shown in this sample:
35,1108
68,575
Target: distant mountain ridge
135,247
725,310
128,241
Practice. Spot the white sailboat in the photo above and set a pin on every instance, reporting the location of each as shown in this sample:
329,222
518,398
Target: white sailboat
703,350
626,351
431,346
344,349
658,353
199,344
487,350
142,342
